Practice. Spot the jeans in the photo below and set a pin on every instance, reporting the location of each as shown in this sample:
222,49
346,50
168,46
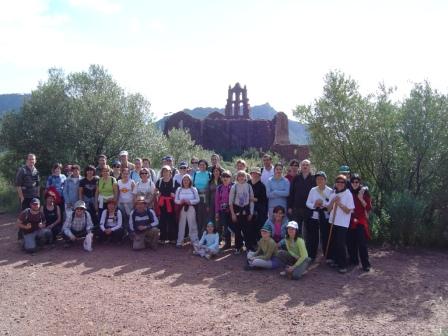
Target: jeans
289,260
30,240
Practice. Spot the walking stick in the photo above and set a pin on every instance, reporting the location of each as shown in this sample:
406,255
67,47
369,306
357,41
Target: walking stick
335,208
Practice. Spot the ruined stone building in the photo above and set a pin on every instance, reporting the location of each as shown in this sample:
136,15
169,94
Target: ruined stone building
234,131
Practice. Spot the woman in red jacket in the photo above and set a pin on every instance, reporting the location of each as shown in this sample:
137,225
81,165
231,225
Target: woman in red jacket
358,232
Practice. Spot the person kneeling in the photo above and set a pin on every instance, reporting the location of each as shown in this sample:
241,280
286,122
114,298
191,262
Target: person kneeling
78,224
143,225
294,255
209,243
32,224
266,254
111,223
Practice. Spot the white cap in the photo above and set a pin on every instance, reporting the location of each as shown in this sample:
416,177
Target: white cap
293,224
123,152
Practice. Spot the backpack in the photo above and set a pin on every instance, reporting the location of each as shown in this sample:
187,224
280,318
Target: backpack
85,216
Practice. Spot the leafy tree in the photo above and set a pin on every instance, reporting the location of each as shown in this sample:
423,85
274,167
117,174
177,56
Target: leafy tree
76,117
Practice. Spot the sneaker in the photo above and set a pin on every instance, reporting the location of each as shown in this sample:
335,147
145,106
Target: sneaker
366,269
208,256
283,273
179,246
195,252
329,261
237,251
342,270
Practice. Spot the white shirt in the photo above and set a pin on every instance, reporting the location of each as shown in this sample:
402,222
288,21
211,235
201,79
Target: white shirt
317,194
342,218
266,175
125,191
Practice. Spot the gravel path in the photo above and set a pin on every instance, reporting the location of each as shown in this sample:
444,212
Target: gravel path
116,291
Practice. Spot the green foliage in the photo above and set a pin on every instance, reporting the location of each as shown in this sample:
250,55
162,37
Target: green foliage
400,150
183,148
9,201
76,117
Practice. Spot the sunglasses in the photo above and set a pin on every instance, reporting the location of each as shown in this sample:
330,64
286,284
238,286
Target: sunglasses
143,173
225,176
340,181
182,168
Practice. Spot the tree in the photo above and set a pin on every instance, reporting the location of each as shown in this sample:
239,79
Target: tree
75,118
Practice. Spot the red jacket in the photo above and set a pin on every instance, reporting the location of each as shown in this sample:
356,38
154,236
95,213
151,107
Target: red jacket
360,214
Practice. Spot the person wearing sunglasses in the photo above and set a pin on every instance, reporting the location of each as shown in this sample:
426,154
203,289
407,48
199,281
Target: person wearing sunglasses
145,188
358,232
293,170
341,205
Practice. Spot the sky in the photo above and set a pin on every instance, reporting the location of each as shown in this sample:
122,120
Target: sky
185,53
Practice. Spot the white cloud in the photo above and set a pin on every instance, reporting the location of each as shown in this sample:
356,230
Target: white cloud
100,6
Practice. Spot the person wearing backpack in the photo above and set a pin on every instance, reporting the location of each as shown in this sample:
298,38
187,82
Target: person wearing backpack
241,206
224,224
143,225
111,223
107,188
187,196
78,224
31,222
201,180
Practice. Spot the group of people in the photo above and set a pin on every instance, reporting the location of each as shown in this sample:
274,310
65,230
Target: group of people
266,211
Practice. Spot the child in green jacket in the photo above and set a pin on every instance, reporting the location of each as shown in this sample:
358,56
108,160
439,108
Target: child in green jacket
266,254
294,254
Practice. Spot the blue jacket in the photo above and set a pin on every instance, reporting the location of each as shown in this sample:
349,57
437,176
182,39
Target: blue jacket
71,190
277,192
210,240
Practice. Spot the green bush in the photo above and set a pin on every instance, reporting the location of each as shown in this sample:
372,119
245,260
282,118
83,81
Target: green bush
9,201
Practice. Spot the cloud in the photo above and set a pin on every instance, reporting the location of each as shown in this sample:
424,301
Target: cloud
100,6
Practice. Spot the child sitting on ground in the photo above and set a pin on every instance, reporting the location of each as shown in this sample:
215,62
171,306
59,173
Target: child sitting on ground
294,255
266,254
209,243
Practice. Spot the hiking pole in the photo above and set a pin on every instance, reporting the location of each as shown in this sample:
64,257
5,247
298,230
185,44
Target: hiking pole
335,208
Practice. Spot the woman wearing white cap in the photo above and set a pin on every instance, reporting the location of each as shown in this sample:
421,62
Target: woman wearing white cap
293,253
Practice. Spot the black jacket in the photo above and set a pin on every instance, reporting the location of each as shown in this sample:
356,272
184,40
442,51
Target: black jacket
299,190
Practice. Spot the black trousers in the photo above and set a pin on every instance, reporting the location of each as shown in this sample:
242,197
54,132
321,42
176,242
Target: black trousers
339,238
168,225
357,246
301,216
316,229
258,220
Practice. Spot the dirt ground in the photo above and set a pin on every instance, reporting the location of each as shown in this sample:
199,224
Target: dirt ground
116,291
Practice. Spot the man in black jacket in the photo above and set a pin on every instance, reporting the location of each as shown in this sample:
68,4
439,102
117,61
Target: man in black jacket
298,194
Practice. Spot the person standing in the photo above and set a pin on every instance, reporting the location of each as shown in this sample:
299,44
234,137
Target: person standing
224,225
187,196
146,163
298,194
126,187
87,191
135,174
215,181
71,189
124,159
268,169
27,182
341,205
241,210
107,188
277,190
318,223
145,188
260,201
358,232
201,180
166,188
293,170
102,161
